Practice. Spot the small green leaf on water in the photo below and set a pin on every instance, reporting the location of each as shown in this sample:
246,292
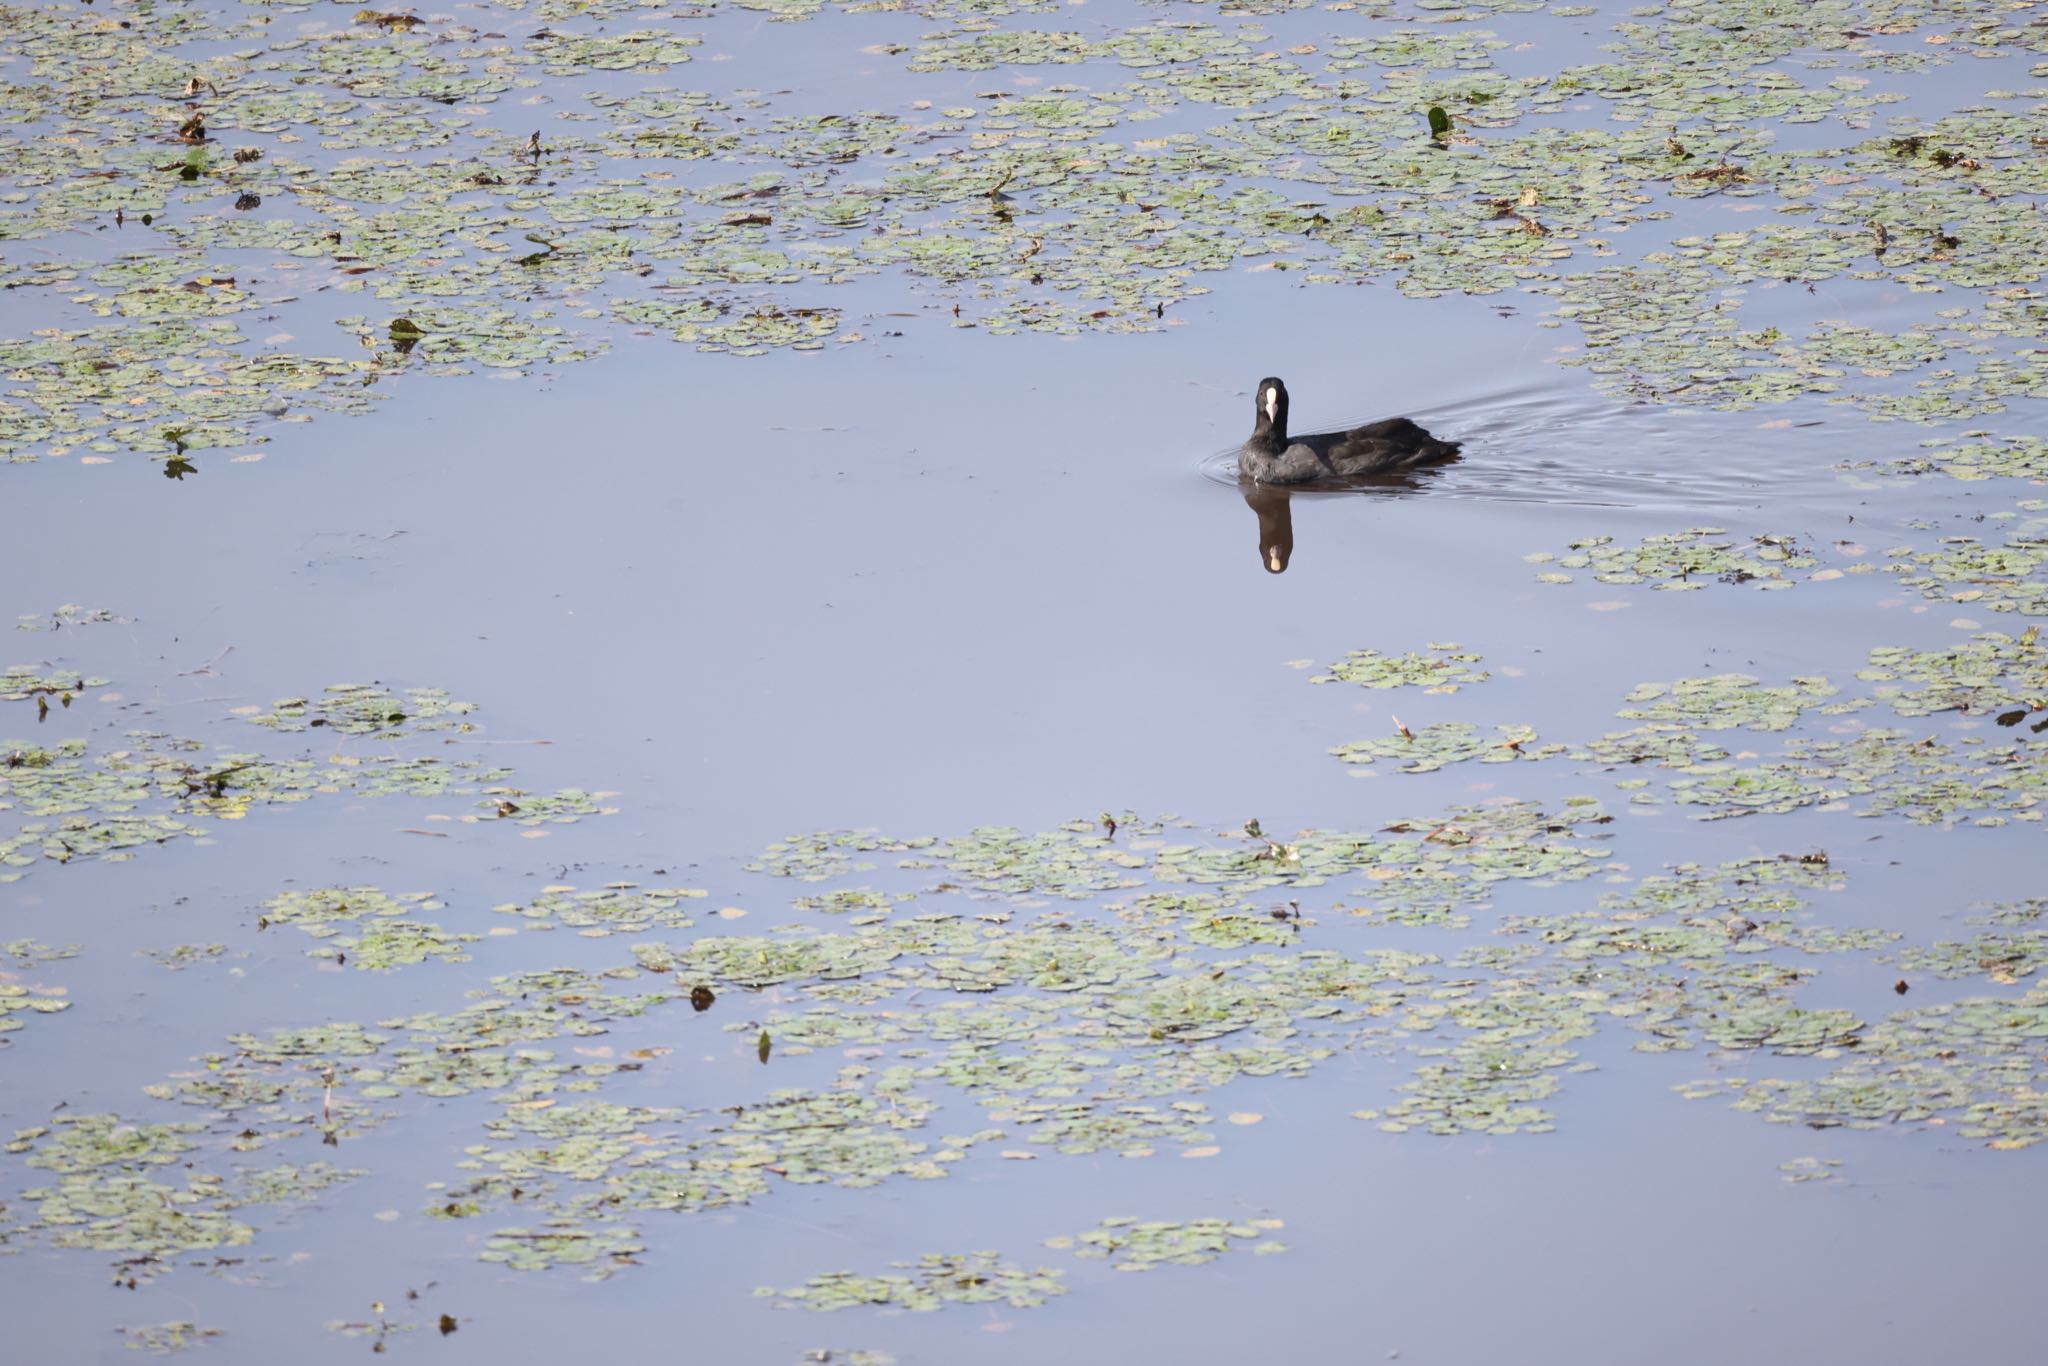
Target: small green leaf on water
1439,122
763,1046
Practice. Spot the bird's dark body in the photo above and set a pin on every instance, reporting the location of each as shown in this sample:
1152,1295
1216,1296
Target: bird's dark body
1270,456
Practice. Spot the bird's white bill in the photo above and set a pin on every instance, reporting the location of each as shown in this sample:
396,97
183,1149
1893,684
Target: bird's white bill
1272,404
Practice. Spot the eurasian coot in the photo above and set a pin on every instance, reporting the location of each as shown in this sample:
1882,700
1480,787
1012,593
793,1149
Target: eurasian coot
1270,457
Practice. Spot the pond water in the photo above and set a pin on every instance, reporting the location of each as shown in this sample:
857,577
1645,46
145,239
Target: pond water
702,749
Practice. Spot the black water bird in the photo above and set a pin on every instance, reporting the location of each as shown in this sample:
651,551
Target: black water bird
1271,457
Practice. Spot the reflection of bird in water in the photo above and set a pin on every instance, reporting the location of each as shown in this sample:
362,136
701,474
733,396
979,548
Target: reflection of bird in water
1276,524
1270,457
1273,504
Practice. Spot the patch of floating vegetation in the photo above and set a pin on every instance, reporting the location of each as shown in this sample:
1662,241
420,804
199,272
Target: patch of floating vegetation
1080,1035
1069,1034
180,956
21,683
2002,958
827,854
863,904
162,1339
595,1246
70,614
617,908
1447,742
1922,778
1802,1169
1130,1244
368,709
1664,744
368,159
69,801
1991,673
931,1282
323,911
1687,559
563,807
1444,669
2026,912
19,1001
2012,577
1973,1064
382,945
1730,701
27,953
2000,457
106,1199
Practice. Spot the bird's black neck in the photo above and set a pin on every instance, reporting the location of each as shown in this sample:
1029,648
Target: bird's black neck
1269,433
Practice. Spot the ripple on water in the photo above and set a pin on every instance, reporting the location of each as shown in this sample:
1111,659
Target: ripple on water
1572,447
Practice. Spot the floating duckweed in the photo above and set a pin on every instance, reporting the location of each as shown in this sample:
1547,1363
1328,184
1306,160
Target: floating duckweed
121,800
179,956
378,940
845,1138
620,908
732,326
70,614
815,857
72,1144
1075,862
596,1247
860,902
1443,670
366,709
1973,1060
1094,242
2026,912
1920,778
564,807
2003,958
322,911
18,1001
383,945
931,1282
2000,578
1665,744
1140,1245
162,1339
145,1221
1685,559
1990,673
2003,457
567,54
1447,742
21,683
25,953
1780,1027
1727,701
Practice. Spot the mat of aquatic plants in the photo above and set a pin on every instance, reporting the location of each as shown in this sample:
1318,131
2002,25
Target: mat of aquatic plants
629,716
